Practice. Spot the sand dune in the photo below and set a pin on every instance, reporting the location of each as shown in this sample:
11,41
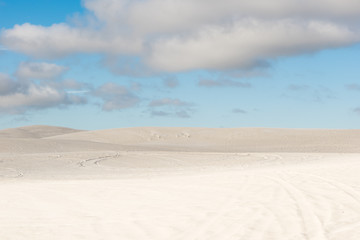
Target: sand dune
179,183
38,131
238,139
33,139
47,138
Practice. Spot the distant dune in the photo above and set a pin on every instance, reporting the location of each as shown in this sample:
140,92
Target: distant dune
37,131
49,138
224,139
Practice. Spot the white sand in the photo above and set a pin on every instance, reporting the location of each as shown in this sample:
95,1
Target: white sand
179,183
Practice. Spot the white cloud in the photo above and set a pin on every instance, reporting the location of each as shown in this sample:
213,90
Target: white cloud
182,114
74,85
353,86
298,87
180,35
60,40
19,94
116,97
223,83
171,82
39,70
161,113
174,16
245,44
169,102
170,107
36,97
7,85
308,93
156,113
357,110
239,111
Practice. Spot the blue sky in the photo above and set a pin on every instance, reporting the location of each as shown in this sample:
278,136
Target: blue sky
97,64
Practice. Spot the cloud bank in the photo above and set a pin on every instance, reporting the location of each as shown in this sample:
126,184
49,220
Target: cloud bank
182,35
31,89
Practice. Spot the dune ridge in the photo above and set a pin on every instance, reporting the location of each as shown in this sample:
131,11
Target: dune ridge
53,139
35,131
222,139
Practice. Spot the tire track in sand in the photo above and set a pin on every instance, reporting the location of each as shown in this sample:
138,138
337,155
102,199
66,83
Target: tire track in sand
96,160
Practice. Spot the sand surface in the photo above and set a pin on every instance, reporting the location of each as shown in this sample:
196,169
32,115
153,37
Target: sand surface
179,183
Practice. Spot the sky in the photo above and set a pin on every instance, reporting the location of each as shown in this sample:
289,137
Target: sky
98,64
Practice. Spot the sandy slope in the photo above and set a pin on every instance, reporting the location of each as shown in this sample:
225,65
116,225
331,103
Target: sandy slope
37,131
213,184
238,139
33,139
